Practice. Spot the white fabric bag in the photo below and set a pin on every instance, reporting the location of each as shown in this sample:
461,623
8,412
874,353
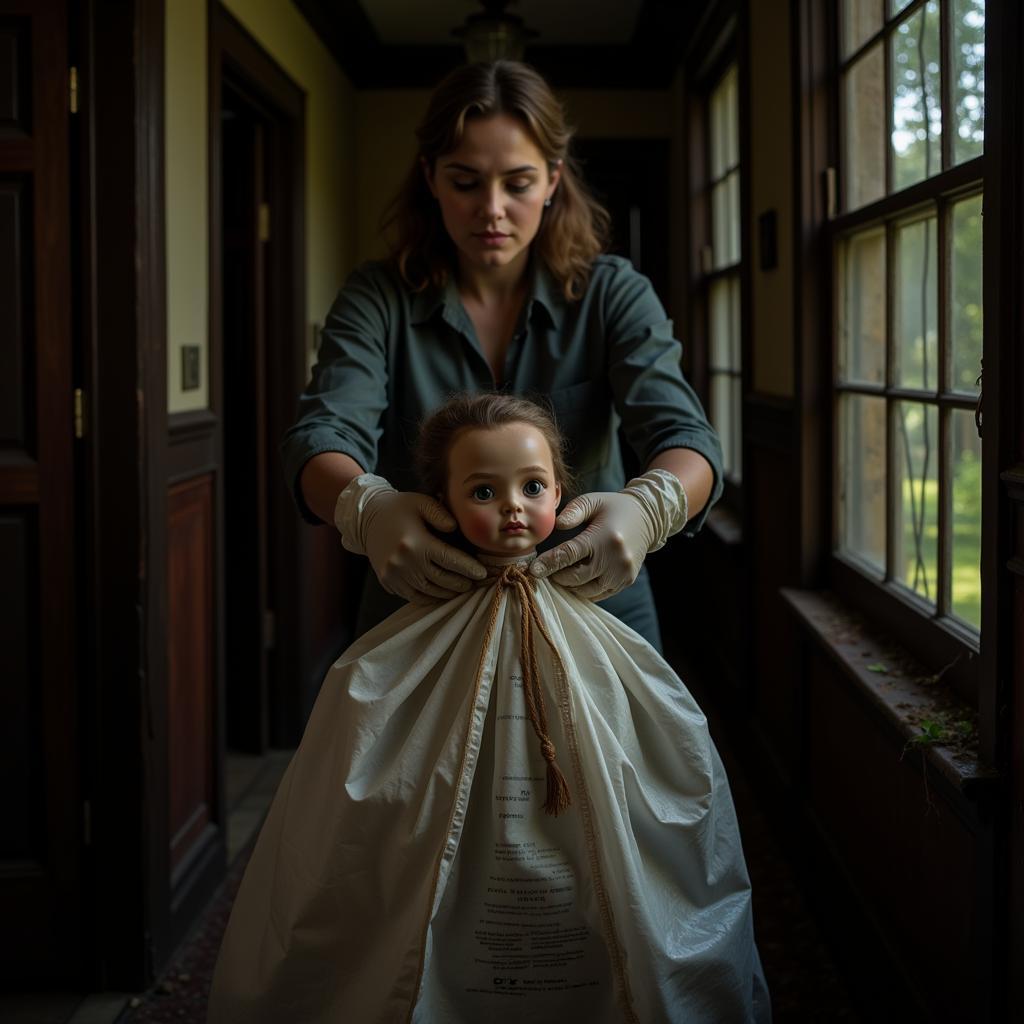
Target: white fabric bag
407,870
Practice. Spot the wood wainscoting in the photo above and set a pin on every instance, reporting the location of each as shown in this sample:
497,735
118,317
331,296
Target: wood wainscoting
191,681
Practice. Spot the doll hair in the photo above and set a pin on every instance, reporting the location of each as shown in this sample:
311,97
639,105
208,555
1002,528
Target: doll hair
573,231
484,411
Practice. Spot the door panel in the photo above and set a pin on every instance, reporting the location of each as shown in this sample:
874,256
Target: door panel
41,838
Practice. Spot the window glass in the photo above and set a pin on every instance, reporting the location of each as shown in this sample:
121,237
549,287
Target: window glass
862,308
916,321
862,478
861,20
917,488
968,79
965,288
916,98
864,149
966,518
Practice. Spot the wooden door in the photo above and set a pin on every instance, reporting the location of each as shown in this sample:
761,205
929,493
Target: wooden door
43,820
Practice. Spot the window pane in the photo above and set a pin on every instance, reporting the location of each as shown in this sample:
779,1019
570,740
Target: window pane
720,225
722,417
917,104
721,332
864,152
916,473
917,336
733,192
734,309
725,121
862,308
862,477
737,428
895,6
717,129
861,20
966,313
966,518
969,78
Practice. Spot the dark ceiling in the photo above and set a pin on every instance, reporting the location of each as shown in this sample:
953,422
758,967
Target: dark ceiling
646,61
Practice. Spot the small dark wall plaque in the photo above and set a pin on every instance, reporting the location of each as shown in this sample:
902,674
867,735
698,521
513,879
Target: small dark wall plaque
767,238
189,367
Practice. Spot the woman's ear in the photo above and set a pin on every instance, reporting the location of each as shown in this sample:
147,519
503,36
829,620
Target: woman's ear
554,177
428,177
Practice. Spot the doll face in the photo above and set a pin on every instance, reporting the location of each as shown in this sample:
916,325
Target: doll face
491,191
502,488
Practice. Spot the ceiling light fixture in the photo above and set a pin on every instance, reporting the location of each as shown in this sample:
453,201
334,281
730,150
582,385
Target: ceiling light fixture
493,34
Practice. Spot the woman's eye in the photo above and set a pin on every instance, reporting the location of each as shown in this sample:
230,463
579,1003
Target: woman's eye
519,186
464,186
483,493
533,489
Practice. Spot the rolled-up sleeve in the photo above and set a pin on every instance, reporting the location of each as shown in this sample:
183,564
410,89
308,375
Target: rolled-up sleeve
341,408
657,406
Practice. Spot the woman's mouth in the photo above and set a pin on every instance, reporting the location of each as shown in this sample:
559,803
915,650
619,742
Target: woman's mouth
491,237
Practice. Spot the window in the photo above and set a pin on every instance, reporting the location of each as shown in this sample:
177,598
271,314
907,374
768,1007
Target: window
720,268
908,300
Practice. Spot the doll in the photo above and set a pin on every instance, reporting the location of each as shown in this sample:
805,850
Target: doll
505,806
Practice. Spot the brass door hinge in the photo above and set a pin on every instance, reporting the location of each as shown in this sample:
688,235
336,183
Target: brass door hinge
73,90
79,413
264,222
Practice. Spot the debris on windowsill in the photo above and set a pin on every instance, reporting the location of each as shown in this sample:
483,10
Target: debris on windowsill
932,717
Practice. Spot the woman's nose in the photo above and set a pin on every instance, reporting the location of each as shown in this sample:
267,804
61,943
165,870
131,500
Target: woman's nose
493,202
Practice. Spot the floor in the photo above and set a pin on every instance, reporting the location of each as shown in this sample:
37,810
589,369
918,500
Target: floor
251,782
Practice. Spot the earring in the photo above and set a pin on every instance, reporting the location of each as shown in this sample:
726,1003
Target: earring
547,202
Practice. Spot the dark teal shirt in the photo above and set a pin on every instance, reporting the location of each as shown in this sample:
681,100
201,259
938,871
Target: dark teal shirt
389,356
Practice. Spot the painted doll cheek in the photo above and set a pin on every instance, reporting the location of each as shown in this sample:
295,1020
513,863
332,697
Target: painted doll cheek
544,524
477,528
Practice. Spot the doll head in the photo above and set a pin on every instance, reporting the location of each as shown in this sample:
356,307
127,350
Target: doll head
496,462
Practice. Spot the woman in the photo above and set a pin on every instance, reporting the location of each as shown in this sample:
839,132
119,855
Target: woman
497,280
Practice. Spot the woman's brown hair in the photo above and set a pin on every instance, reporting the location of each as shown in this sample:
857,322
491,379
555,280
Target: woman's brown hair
573,230
484,411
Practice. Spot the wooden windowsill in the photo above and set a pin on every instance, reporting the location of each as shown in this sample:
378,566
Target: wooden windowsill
899,686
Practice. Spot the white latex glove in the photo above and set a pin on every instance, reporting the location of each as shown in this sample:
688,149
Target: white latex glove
389,527
624,526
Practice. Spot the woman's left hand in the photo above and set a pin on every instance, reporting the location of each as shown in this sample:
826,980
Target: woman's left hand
623,527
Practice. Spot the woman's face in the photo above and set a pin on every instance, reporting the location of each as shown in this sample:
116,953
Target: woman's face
491,191
502,488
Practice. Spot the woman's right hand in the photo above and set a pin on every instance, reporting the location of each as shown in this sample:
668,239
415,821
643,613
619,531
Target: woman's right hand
390,528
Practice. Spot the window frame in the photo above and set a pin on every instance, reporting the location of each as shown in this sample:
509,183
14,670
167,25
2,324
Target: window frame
721,41
943,642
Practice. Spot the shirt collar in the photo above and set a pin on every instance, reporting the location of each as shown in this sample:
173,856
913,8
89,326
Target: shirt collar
543,292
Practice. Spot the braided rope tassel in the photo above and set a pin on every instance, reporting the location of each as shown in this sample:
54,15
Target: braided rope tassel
557,797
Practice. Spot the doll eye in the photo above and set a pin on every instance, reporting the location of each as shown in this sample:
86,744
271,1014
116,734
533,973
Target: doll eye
533,488
483,492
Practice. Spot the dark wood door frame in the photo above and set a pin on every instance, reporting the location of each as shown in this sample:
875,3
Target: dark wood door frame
120,321
254,75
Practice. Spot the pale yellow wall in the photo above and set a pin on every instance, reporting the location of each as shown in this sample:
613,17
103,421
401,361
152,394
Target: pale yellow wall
330,166
386,120
185,172
330,141
770,166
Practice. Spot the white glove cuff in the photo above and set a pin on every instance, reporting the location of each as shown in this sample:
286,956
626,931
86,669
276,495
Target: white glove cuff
352,507
663,498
